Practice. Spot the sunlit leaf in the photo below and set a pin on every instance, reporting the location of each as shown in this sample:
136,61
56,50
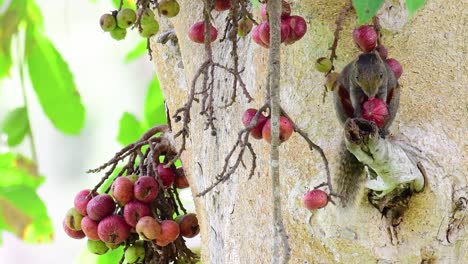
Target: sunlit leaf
24,214
17,170
53,83
111,257
414,5
137,52
107,183
366,9
130,129
126,3
9,22
154,105
15,126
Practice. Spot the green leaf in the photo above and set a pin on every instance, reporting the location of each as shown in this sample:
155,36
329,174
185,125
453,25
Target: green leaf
366,9
17,170
130,129
23,213
137,52
154,105
414,5
111,257
107,183
9,22
126,3
53,82
16,126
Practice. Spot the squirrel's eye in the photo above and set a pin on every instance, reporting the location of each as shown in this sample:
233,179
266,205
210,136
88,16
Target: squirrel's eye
381,75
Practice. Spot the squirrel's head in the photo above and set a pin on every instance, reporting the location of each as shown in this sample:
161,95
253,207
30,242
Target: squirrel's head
370,73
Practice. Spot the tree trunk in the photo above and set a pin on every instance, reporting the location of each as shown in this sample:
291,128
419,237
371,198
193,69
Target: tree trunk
237,216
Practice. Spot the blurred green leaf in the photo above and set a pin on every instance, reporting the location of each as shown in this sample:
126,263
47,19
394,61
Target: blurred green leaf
34,15
366,9
15,126
154,105
9,22
414,5
255,3
112,256
53,83
130,129
137,52
17,170
126,3
23,213
107,183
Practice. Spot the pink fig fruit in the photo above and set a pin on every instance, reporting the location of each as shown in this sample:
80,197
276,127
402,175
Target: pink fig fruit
286,129
298,28
89,227
146,189
166,174
315,199
247,118
113,229
81,200
100,206
365,37
135,210
197,32
375,110
122,190
395,66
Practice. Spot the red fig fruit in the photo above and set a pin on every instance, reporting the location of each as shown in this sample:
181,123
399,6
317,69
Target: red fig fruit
222,5
286,129
395,66
113,229
100,206
375,110
197,31
146,189
365,37
315,199
247,118
298,28
81,200
264,31
135,210
181,181
382,50
122,190
169,233
89,228
256,37
188,225
166,174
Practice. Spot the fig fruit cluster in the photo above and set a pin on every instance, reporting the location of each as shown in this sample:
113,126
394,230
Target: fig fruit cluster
293,28
128,215
366,37
262,129
117,22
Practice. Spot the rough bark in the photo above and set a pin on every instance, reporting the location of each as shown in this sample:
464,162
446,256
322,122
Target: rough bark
236,217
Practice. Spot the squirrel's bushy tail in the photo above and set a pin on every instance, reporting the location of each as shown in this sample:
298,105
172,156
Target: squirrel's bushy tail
349,177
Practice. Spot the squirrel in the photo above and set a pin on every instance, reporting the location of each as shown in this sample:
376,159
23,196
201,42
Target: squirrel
365,77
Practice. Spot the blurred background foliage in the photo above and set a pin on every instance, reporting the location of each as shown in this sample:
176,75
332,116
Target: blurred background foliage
48,119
